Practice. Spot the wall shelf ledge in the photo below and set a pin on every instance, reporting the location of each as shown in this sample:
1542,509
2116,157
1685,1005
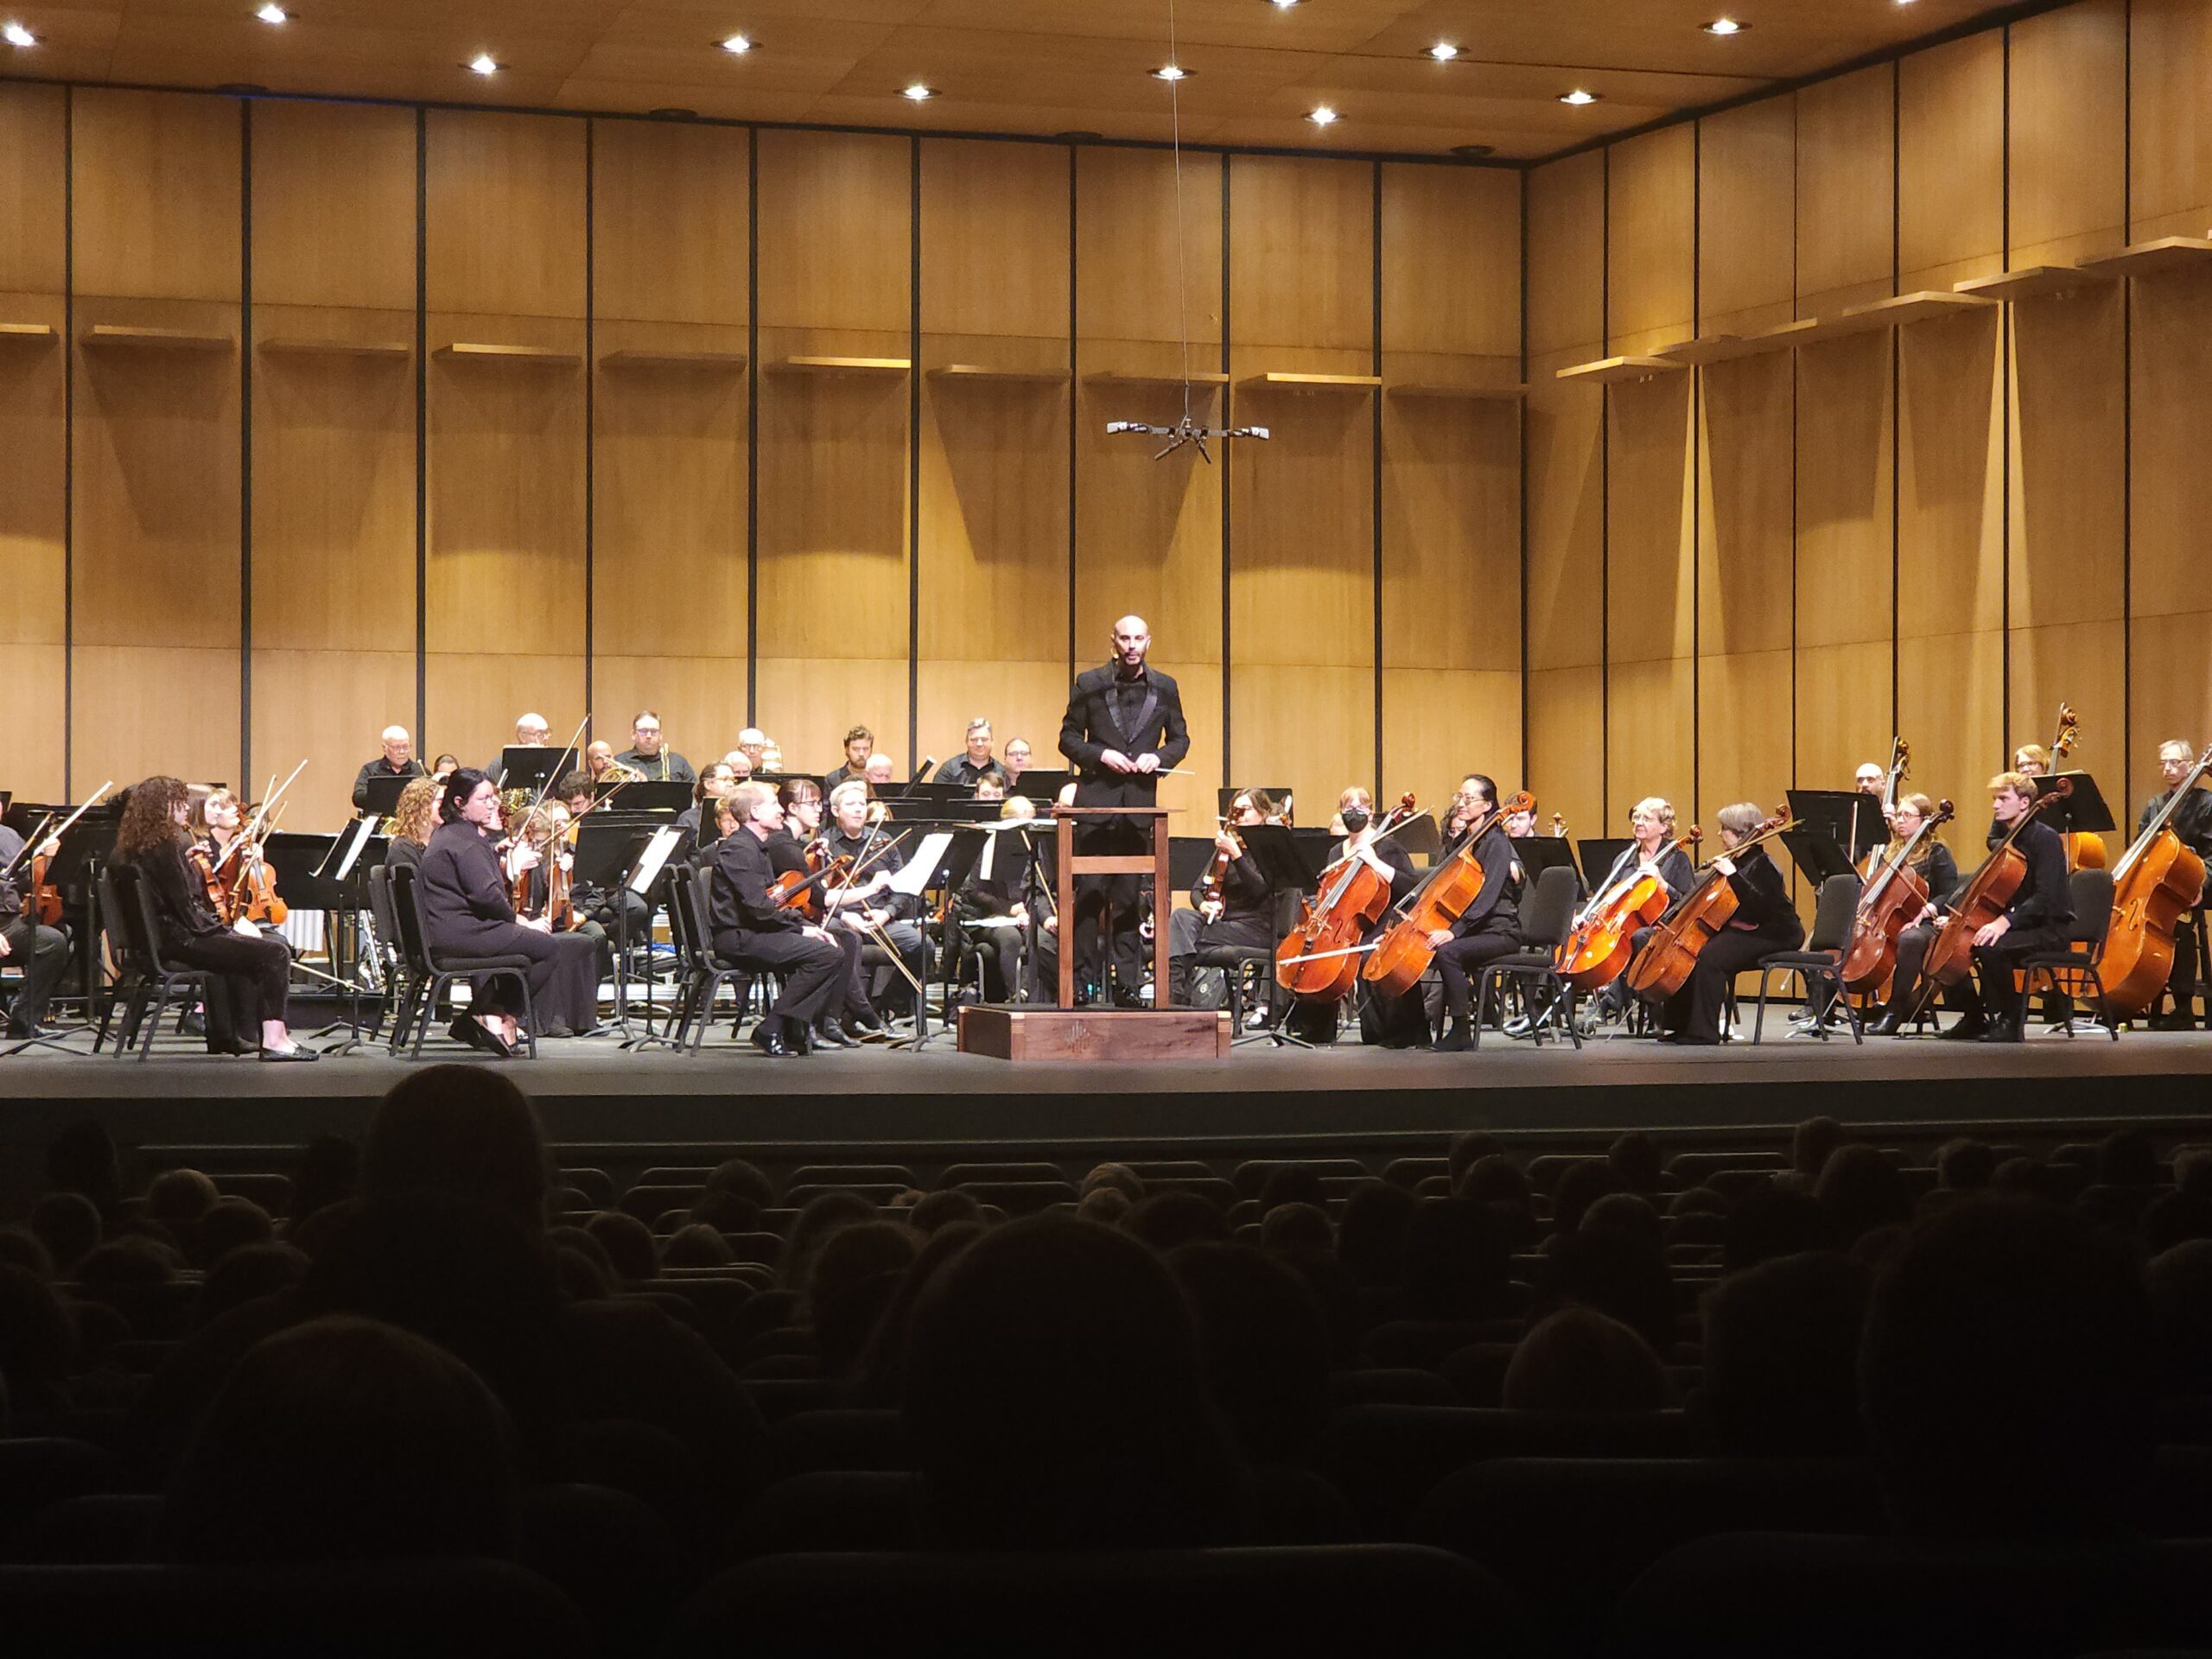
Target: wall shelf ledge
463,350
169,340
845,365
642,358
2032,282
1616,371
2169,254
25,332
1435,391
338,348
1009,376
1118,377
1282,381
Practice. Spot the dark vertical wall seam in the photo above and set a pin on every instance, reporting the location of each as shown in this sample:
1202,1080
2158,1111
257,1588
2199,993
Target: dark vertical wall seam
914,453
422,425
1228,461
2005,409
69,441
1605,491
1697,470
2128,400
753,426
1897,365
1374,404
245,450
591,409
1527,767
1075,400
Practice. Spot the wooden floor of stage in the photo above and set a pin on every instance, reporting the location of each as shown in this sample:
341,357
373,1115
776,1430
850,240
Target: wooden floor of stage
592,1093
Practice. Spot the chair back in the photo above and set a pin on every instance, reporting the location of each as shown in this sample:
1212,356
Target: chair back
1548,908
407,911
683,934
1834,912
2092,893
384,914
128,907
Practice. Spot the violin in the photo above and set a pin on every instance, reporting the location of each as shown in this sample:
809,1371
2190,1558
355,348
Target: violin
1402,956
801,890
1317,961
1893,901
1663,967
255,897
1986,898
1208,890
1597,952
43,900
2156,880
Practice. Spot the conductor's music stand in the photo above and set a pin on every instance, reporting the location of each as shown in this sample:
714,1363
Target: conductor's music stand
1069,864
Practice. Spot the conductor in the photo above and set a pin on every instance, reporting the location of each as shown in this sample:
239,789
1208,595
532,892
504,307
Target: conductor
1124,725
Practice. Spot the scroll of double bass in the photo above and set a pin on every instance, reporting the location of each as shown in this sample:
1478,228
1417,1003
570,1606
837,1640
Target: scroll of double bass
2084,851
1984,900
2156,880
1402,956
1663,966
1318,960
1889,905
1597,952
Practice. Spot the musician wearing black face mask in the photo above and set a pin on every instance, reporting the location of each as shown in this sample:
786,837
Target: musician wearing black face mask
1399,1022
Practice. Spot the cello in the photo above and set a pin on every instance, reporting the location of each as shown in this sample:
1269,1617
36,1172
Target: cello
1893,901
2156,878
1663,966
1402,955
1597,952
1317,961
1995,886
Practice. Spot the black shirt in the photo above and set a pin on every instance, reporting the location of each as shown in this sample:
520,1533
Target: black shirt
380,767
12,883
1762,904
1493,910
738,893
181,907
1676,872
666,767
2191,822
885,857
1244,890
965,772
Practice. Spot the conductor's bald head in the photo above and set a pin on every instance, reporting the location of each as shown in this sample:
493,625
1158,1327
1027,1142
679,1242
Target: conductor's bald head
1132,639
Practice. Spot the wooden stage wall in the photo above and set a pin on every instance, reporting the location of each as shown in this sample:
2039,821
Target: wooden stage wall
1746,577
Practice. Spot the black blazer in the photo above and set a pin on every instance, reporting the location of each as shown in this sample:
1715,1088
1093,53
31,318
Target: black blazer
2045,899
399,850
459,888
1092,725
180,908
1676,872
1496,907
738,900
1762,904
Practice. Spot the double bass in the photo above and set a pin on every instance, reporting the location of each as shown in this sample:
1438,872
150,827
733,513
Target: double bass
1663,966
2156,878
2084,851
1597,952
1891,903
1986,898
1317,961
1402,956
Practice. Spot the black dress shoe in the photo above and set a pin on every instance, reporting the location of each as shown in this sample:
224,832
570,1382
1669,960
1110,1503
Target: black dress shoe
2003,1030
25,1030
770,1042
555,1028
473,1032
1970,1029
1888,1026
296,1052
2176,1019
1454,1041
827,1032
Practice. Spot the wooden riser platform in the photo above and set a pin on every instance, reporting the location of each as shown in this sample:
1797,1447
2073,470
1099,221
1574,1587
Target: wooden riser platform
1096,1035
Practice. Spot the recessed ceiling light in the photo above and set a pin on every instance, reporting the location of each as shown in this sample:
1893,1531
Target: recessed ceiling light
918,93
1580,95
1282,6
1322,116
17,34
484,63
737,45
273,13
1172,72
1725,26
1444,51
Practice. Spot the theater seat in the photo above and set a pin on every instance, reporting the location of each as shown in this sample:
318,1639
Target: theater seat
1747,1595
38,1472
841,1438
1379,1599
422,1609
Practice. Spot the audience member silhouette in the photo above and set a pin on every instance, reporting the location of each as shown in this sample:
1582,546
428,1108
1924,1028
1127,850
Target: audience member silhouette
1781,1359
1578,1359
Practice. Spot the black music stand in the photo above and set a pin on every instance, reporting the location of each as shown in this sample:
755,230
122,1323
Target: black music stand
1850,817
606,851
1187,858
647,882
1540,853
950,873
1042,785
384,793
1816,855
2083,813
85,847
651,797
303,866
1291,861
1599,854
531,765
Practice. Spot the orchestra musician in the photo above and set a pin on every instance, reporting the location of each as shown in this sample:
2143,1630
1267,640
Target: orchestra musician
700,817
1488,928
462,885
977,763
2030,760
1766,921
247,974
412,823
444,766
588,900
1016,760
1386,1023
869,903
990,915
876,773
1650,852
801,802
2038,919
1123,724
1238,913
750,928
649,755
1939,872
739,764
552,830
214,823
2192,826
40,953
753,744
398,760
859,743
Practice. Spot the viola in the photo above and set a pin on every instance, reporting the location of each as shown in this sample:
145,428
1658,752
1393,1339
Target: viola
801,890
2156,880
1402,955
257,898
1598,951
1208,885
1663,966
1893,901
1986,898
1317,961
42,899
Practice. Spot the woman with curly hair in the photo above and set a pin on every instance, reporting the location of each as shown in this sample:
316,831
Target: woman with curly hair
246,974
413,820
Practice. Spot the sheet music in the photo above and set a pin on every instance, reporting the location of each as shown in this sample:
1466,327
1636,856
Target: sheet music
915,872
362,834
650,860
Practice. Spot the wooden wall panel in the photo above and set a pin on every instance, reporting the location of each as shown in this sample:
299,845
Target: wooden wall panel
2069,138
993,624
32,541
1651,236
157,457
506,211
334,442
1950,163
1747,186
2169,130
1651,595
835,254
1845,154
670,432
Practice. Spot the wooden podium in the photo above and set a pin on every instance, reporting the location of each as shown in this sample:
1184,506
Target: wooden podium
1067,1032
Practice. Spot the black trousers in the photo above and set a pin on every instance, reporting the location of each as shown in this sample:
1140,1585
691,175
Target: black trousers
1187,934
1460,962
814,971
40,955
1694,1010
246,984
1616,997
999,949
1995,992
563,976
1905,980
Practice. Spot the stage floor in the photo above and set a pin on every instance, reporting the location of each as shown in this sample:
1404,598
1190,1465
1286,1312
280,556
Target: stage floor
601,1103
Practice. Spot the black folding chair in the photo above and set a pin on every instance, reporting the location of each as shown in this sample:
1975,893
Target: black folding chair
406,987
1821,962
2074,970
1546,917
439,971
706,970
151,986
